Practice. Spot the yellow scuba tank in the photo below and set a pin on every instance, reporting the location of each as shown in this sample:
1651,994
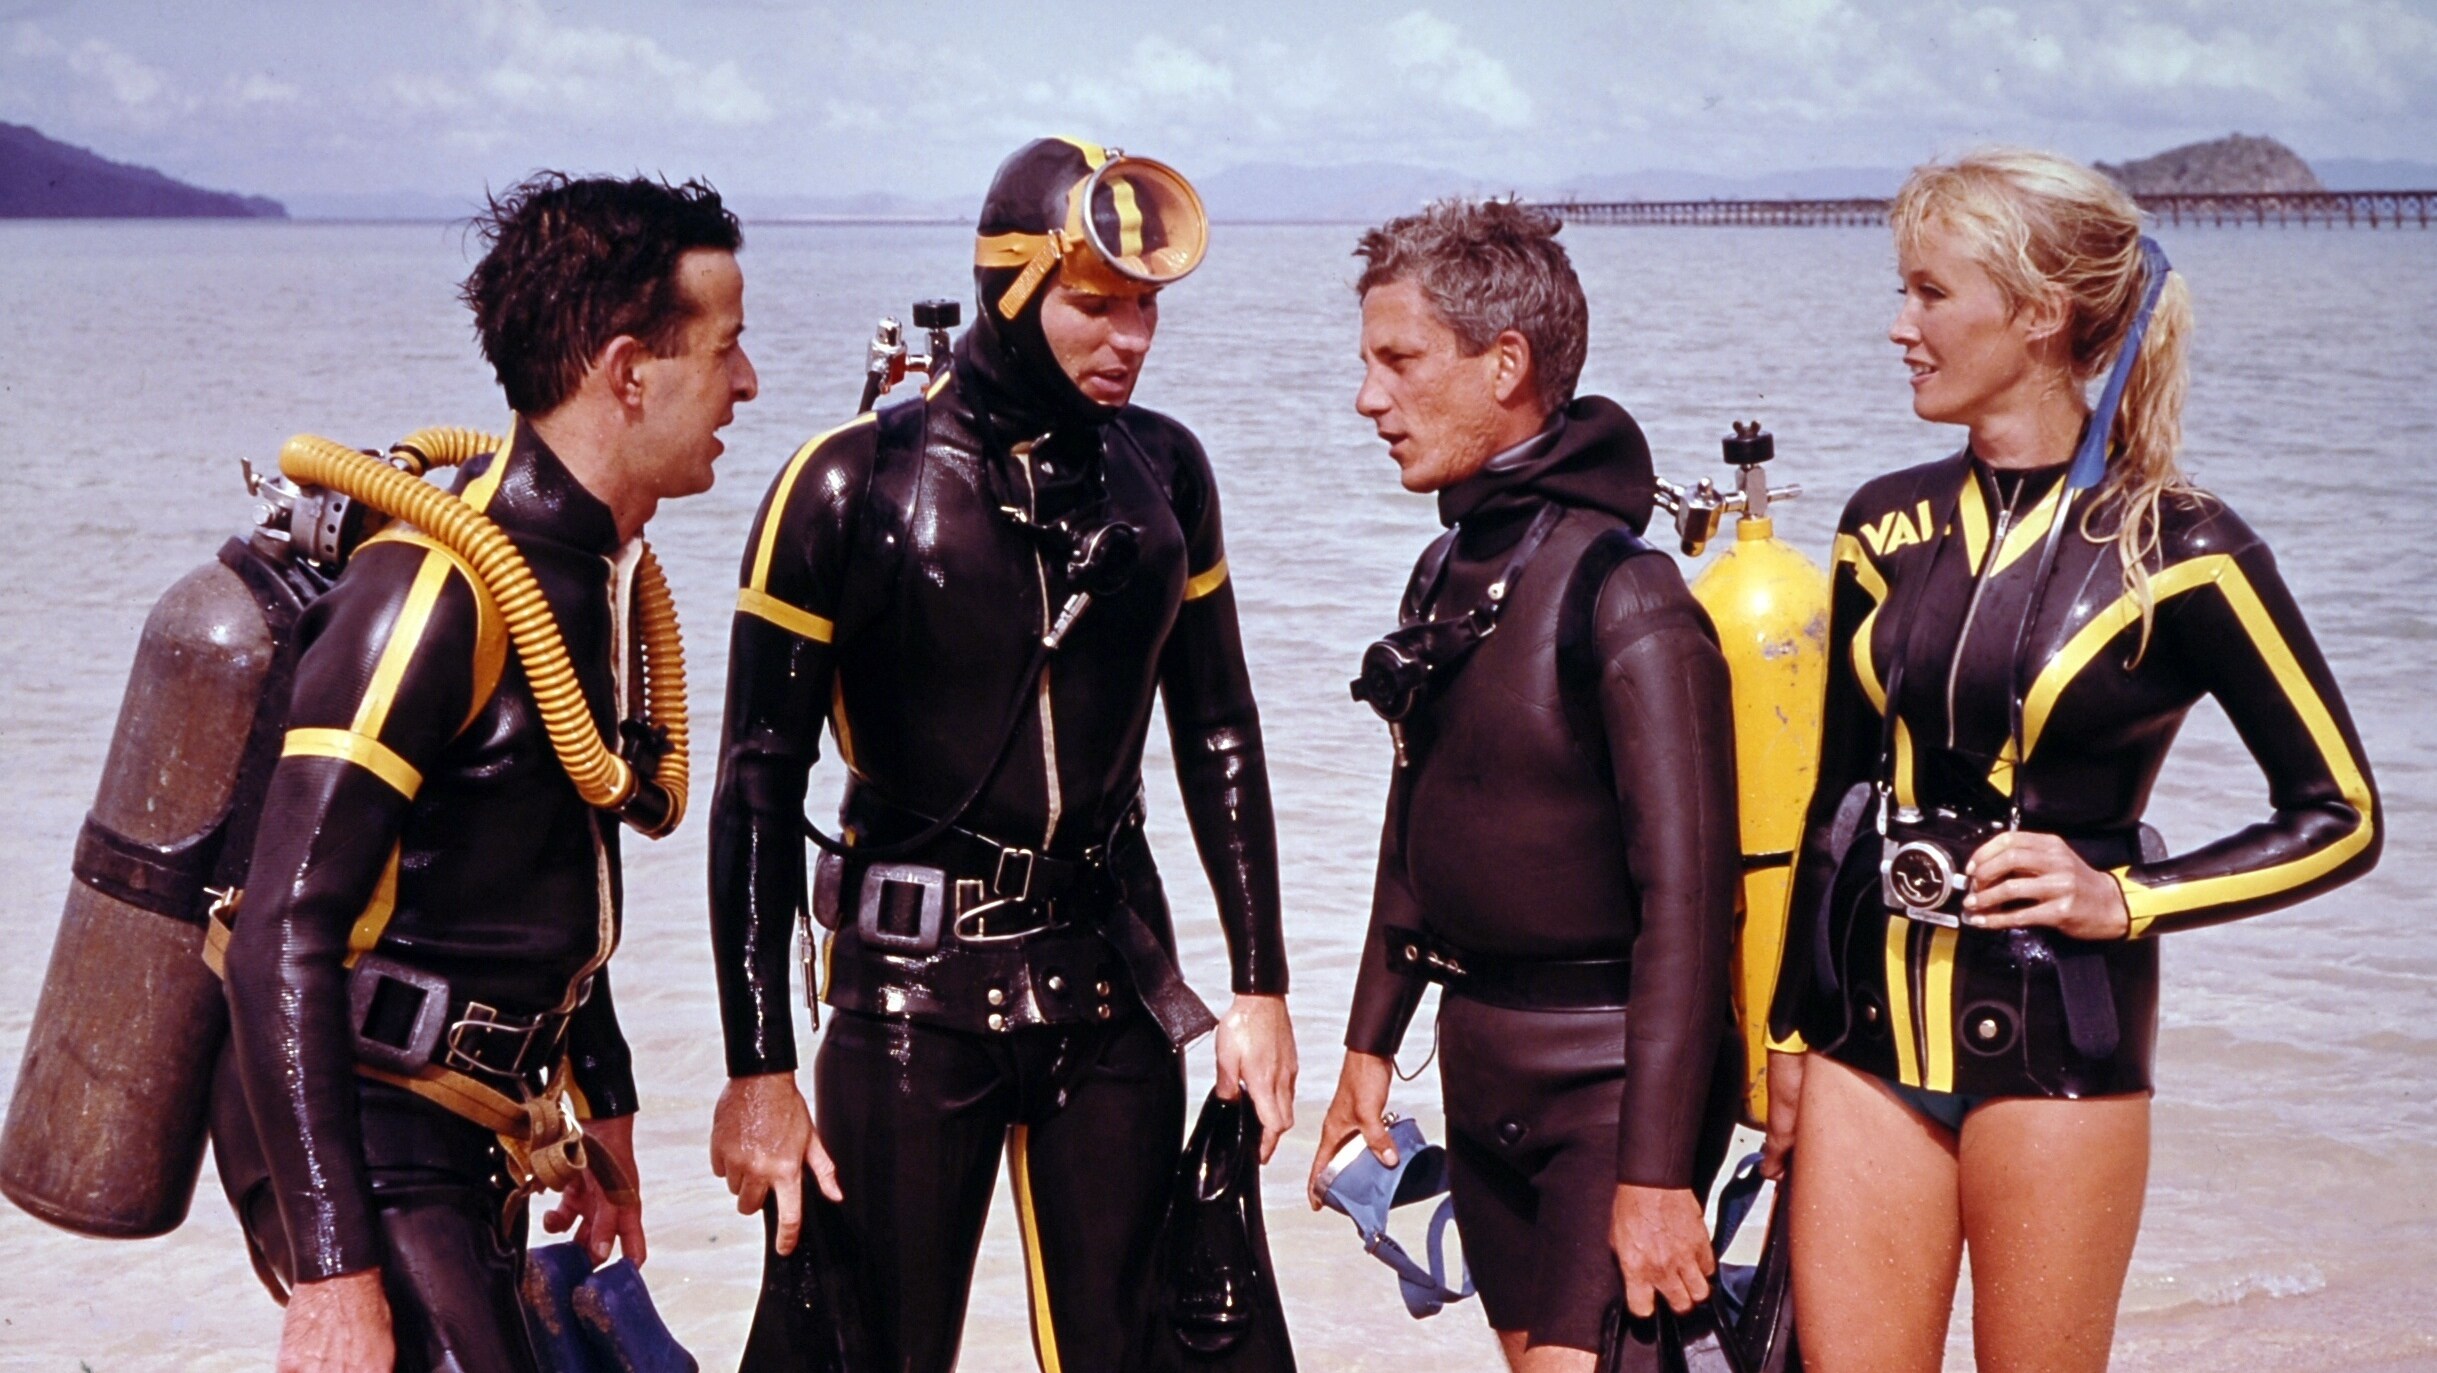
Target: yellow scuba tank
106,1129
1770,605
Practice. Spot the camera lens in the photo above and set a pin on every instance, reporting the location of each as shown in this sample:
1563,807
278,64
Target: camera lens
1920,874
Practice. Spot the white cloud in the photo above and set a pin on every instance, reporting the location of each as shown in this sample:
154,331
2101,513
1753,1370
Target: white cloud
129,79
607,71
1435,58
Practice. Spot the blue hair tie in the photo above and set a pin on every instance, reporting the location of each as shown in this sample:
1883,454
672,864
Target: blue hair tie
2090,460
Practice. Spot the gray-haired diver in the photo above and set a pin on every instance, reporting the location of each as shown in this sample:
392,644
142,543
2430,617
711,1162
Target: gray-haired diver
981,590
1560,848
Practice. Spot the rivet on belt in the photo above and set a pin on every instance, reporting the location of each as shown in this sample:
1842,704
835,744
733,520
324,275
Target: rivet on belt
1057,983
997,997
997,1021
1870,1013
1100,988
1102,1012
1986,1027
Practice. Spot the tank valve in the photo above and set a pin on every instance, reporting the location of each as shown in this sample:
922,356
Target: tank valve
888,360
1699,509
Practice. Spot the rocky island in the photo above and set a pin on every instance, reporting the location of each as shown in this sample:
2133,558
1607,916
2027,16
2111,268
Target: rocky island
42,178
2238,164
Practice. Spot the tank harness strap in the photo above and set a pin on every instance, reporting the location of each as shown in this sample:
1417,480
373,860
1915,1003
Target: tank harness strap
541,1136
1577,641
164,879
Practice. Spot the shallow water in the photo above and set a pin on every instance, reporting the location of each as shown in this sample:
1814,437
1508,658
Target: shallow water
2288,1222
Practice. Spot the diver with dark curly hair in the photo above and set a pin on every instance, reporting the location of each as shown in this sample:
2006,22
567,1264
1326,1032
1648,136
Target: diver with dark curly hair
431,905
980,591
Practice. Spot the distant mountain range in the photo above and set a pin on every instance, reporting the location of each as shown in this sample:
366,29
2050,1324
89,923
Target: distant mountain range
42,178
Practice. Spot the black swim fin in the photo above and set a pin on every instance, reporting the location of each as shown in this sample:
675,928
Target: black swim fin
1213,1303
811,1315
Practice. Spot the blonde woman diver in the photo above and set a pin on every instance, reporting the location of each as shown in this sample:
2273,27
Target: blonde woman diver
1968,1002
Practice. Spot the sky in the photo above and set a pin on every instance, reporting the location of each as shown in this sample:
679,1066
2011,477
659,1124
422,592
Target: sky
921,99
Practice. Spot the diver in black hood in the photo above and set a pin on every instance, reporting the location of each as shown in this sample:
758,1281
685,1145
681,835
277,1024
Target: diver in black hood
1560,849
980,591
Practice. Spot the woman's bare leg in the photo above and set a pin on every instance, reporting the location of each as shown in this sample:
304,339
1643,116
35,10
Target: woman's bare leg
2052,1196
1877,1227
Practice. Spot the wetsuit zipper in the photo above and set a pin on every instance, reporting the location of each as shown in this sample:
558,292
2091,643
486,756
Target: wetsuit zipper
1049,719
1971,609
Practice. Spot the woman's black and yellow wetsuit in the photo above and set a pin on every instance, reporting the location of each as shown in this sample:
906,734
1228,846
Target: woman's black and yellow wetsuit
1938,566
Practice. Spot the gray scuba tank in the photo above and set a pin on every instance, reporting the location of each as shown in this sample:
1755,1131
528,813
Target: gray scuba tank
106,1129
105,1133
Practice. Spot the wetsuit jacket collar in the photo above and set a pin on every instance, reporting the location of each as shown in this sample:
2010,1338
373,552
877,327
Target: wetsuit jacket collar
1591,454
538,496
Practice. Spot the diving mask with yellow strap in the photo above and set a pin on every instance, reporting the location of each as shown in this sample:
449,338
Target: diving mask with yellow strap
1132,225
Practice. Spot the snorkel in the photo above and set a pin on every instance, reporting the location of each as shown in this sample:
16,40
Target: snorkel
2090,459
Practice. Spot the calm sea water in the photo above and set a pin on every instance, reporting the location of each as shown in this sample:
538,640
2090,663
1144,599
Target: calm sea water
2289,1221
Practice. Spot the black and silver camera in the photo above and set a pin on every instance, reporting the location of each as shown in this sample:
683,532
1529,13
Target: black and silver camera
1921,862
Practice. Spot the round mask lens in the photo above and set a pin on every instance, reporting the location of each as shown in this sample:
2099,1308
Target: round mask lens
1145,220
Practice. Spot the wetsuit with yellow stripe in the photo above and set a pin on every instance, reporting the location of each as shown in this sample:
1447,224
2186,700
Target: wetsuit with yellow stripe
890,595
418,811
2034,1012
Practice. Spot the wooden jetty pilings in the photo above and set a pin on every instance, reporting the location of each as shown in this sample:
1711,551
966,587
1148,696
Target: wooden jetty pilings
2373,209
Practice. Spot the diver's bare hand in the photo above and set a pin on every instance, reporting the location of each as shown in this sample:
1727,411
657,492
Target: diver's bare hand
1256,1054
605,1202
2019,879
1661,1247
338,1325
1785,1098
761,1139
1360,1107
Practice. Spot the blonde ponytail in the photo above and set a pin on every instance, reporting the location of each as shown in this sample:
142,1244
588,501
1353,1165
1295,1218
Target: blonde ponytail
2045,227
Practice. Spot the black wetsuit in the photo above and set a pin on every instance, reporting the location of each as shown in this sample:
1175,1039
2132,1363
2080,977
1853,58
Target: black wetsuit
889,595
1522,835
1922,571
419,815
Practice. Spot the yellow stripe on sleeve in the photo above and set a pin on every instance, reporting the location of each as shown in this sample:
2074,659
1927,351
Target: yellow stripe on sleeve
405,636
777,516
367,753
1036,1276
803,624
1203,583
2147,904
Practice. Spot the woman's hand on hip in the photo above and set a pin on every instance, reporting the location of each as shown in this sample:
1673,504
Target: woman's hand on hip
2020,879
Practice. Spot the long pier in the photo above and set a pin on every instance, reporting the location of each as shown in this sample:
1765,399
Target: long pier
2374,209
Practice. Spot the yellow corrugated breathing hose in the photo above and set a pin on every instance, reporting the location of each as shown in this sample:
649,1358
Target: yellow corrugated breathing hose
601,777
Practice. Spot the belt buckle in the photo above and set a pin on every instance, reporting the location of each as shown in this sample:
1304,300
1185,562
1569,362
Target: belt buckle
873,907
396,1014
998,878
483,1020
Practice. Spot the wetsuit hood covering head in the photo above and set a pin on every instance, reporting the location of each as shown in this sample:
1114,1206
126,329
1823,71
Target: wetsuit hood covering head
1591,454
1090,218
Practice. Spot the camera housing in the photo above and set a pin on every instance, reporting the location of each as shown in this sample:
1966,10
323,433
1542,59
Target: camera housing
1921,862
